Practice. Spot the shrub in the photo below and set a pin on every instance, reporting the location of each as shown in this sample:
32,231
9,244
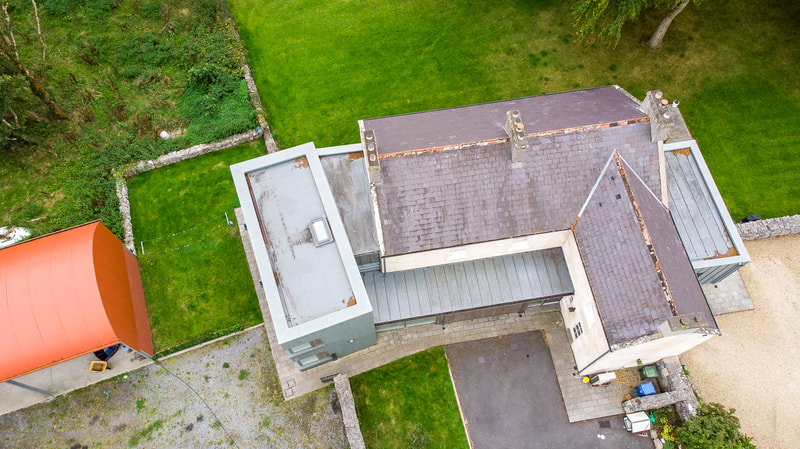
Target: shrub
98,8
714,427
417,437
141,52
57,8
213,118
150,10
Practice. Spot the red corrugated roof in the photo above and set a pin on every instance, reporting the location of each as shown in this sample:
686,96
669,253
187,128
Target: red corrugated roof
65,295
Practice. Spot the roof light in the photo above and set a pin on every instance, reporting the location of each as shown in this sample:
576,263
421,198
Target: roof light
320,232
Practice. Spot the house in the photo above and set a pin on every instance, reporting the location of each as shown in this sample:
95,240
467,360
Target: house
65,295
590,201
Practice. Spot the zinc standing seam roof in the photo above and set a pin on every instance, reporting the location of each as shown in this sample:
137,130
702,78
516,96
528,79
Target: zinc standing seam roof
467,285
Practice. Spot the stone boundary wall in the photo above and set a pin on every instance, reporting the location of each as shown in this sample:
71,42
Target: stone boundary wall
771,227
162,161
351,427
125,211
255,99
188,153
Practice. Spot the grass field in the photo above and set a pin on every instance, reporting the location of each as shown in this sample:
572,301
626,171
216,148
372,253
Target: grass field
194,270
322,65
409,403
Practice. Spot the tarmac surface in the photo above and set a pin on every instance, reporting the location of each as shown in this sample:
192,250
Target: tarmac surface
510,398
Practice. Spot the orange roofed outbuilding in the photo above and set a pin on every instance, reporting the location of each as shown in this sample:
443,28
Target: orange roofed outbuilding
68,294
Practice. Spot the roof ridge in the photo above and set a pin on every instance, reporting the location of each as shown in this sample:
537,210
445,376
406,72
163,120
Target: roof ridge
620,162
39,237
553,132
507,100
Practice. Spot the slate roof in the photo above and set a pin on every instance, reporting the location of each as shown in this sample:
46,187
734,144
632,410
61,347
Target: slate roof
479,122
621,223
441,199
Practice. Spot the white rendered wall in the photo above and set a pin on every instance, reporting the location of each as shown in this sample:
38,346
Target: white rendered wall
592,343
476,251
649,352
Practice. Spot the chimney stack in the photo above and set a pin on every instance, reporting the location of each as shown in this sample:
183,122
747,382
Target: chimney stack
662,120
371,155
519,141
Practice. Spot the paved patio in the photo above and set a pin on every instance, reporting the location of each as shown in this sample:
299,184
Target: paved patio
728,296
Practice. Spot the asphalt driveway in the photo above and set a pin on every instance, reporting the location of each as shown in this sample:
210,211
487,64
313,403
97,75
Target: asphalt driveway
510,398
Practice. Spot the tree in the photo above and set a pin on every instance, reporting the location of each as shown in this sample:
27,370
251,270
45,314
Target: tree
714,427
605,18
14,64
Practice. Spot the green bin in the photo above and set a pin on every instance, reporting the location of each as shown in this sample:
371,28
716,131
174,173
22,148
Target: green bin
649,371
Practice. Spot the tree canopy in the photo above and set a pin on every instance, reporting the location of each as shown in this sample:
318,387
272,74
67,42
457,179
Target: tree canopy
605,18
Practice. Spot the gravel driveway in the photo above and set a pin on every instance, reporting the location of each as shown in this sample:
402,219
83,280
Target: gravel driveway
150,407
755,366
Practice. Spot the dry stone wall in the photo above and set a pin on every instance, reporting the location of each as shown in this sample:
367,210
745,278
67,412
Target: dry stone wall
351,427
771,227
188,153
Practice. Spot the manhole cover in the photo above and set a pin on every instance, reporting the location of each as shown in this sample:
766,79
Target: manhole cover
513,346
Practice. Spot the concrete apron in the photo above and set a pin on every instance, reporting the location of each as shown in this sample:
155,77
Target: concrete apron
65,377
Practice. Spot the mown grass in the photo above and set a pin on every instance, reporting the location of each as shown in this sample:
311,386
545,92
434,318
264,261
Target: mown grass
409,403
194,269
322,65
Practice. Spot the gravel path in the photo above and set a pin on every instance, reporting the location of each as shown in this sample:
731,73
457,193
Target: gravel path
755,366
153,408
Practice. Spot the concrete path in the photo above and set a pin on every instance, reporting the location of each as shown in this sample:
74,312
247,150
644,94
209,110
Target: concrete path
65,377
509,396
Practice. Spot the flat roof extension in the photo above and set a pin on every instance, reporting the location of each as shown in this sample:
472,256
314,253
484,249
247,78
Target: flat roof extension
287,191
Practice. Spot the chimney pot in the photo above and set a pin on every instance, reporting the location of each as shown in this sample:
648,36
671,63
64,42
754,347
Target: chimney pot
370,151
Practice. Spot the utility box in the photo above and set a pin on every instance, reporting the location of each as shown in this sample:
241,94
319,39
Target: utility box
637,422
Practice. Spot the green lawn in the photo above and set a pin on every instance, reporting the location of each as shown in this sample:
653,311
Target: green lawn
409,403
194,270
322,65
